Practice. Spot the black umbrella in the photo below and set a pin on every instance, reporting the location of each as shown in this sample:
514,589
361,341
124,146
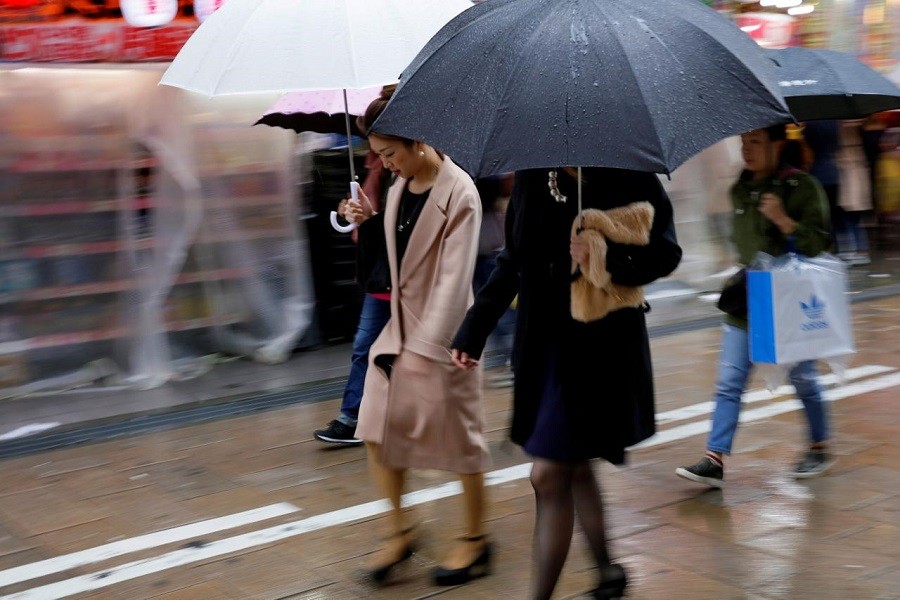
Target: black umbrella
636,84
824,84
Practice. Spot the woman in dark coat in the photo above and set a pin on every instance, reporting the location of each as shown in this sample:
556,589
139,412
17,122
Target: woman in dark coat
582,390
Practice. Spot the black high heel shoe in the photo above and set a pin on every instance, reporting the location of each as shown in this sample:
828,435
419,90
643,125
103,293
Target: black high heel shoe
612,583
479,567
380,574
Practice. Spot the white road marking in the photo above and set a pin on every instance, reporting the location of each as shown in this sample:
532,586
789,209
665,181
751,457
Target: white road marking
771,410
142,542
753,396
29,429
185,556
663,294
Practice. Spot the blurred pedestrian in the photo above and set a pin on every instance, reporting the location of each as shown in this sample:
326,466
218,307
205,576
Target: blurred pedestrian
374,276
418,409
494,193
583,390
872,131
824,139
855,194
774,206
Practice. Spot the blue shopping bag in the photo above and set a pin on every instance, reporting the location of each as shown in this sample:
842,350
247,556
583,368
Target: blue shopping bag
798,309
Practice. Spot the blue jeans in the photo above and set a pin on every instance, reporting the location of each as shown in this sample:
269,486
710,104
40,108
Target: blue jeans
734,371
502,336
374,316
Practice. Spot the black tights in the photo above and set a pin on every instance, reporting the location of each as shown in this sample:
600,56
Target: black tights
561,491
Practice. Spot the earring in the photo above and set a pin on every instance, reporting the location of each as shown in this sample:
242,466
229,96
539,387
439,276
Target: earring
421,153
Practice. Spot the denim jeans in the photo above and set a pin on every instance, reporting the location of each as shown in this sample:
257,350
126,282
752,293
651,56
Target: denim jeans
502,336
734,371
375,314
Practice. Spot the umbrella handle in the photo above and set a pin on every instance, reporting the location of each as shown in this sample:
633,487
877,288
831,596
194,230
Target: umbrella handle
354,195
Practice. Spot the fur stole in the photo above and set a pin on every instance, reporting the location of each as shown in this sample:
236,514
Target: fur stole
594,295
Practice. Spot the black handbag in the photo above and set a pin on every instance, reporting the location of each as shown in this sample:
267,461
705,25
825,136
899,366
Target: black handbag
733,299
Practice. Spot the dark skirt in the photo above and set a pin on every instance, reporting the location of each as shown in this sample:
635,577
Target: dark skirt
554,436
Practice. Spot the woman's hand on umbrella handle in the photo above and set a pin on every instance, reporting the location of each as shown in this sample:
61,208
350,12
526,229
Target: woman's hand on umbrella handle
358,211
342,210
463,360
580,251
365,204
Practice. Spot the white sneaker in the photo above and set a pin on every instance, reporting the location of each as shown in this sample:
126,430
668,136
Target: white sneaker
860,258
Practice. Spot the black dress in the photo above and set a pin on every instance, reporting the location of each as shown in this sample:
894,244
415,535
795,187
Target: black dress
582,390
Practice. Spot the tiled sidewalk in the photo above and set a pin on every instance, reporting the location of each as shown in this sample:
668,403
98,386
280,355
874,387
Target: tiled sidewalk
765,537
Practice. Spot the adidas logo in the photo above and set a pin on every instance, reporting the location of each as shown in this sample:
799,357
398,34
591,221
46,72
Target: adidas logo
814,311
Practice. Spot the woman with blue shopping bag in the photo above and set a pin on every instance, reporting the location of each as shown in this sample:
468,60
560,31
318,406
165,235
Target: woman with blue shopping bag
775,206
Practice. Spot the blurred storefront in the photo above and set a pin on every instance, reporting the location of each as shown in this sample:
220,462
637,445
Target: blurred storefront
868,29
143,230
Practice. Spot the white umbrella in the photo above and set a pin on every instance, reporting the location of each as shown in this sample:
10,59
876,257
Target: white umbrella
295,45
252,46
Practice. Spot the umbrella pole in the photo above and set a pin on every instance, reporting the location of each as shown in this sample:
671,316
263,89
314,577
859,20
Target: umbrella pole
579,195
349,136
354,187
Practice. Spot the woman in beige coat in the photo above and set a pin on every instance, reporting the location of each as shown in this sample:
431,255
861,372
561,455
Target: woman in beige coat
418,410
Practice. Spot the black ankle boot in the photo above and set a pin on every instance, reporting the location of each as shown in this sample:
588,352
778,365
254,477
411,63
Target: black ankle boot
612,582
380,574
479,567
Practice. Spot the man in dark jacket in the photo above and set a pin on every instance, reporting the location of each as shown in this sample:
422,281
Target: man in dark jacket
773,207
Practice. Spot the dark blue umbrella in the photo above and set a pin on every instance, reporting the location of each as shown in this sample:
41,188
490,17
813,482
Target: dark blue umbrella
824,84
636,84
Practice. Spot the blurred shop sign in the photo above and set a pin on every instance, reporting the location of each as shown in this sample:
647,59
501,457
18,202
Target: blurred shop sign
77,40
204,8
770,30
148,13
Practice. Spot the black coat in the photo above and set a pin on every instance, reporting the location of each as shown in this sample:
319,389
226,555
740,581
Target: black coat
603,366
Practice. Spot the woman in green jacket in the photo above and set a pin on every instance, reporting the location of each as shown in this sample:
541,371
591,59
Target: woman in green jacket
775,206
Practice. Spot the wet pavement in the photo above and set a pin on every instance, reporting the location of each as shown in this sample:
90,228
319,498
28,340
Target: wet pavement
253,507
683,303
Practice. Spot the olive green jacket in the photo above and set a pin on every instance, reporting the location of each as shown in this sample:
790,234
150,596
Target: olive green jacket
804,201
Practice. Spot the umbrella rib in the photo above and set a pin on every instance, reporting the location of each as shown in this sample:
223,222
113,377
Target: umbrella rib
512,76
644,103
352,46
771,96
823,64
839,74
234,48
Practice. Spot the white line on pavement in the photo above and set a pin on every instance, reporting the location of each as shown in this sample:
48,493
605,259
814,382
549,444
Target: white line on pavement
185,556
663,294
753,396
29,429
771,410
142,542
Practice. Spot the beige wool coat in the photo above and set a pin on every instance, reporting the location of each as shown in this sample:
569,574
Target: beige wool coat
428,413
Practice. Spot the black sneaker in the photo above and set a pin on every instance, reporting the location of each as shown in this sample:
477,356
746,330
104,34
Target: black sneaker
338,433
814,463
706,471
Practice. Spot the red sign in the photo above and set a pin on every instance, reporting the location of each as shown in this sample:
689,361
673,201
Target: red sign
78,40
770,30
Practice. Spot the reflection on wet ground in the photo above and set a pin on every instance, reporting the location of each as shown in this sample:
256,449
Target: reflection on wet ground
82,522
